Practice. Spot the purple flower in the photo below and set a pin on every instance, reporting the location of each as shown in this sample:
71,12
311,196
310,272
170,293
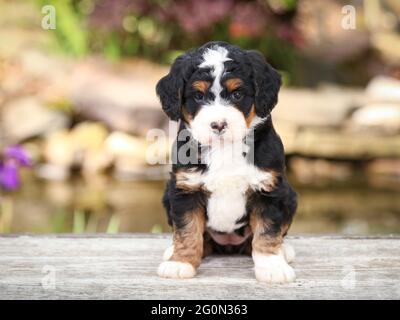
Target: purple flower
9,177
11,160
18,154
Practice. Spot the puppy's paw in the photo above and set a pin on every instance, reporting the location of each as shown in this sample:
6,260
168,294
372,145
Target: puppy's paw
288,252
272,269
168,253
176,270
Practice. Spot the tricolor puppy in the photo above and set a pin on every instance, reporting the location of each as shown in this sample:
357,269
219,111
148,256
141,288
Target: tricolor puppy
228,191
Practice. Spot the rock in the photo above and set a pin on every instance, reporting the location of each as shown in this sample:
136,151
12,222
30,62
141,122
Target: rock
53,172
385,167
136,158
325,143
311,170
59,149
88,135
321,108
319,23
123,97
388,45
128,151
83,146
384,89
383,117
26,118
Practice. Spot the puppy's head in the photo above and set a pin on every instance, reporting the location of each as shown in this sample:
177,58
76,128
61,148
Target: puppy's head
219,91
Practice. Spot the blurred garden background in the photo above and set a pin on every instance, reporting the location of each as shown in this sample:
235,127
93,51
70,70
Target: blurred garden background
77,101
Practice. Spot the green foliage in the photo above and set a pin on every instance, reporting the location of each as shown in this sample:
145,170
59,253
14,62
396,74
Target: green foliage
113,225
156,229
79,222
158,30
70,29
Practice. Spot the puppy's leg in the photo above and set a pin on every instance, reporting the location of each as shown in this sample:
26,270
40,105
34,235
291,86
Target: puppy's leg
207,250
270,260
186,253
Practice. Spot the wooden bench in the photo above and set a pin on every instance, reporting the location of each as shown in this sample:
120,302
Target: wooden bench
124,266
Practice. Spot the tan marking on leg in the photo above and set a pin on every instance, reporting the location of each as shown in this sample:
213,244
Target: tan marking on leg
262,242
233,84
188,241
270,262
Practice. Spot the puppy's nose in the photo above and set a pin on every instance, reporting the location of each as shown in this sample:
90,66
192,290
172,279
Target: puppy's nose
218,126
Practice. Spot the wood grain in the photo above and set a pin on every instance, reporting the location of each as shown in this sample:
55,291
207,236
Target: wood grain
124,267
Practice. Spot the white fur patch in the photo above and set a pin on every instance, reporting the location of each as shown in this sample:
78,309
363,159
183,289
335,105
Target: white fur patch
256,122
288,252
168,253
228,178
201,125
272,268
214,58
176,270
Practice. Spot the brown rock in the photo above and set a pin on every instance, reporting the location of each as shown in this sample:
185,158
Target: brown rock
27,117
310,170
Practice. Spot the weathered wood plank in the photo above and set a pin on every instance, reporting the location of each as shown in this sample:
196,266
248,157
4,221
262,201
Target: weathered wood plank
124,267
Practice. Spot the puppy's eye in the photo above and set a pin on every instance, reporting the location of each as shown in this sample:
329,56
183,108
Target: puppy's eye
236,95
199,95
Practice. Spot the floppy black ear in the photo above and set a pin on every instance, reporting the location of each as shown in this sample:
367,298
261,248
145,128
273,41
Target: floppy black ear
267,82
170,88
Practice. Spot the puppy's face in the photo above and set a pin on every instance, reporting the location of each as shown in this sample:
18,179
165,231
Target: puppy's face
220,91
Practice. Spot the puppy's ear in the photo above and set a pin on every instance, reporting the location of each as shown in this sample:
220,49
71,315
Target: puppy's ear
267,82
170,88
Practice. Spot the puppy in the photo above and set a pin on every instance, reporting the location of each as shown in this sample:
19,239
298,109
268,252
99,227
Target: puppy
228,192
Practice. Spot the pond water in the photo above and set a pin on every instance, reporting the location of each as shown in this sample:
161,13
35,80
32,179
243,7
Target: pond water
104,204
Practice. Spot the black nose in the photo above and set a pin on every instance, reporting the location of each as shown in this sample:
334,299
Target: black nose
218,126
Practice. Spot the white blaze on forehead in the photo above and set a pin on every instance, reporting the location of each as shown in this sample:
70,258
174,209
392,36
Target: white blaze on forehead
214,58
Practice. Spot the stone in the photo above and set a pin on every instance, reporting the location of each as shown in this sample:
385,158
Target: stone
387,44
127,151
320,108
27,117
384,167
315,170
89,135
333,144
123,97
83,146
53,172
384,117
384,89
59,150
137,158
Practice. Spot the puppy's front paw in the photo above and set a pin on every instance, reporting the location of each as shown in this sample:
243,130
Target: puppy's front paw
272,269
176,270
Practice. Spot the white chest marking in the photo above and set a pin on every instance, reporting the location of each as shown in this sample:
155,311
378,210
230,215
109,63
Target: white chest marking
228,178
